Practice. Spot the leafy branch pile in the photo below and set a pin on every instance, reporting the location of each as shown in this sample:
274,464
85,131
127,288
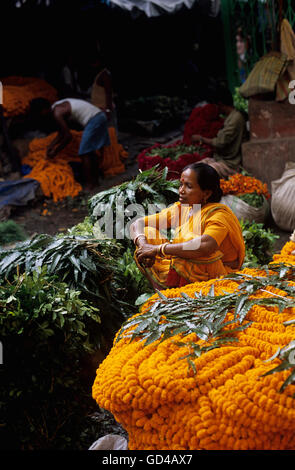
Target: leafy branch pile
259,243
253,199
46,330
174,151
84,263
117,207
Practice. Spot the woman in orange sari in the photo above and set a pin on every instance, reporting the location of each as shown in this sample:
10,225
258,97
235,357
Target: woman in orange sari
207,241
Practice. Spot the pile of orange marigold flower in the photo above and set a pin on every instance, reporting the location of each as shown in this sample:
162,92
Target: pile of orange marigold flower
18,92
227,403
56,176
242,184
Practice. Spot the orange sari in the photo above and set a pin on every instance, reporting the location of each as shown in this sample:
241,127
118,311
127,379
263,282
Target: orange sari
214,219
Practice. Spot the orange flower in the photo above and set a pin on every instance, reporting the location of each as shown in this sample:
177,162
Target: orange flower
241,184
18,92
228,404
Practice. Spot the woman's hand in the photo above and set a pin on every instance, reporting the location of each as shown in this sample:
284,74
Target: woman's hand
146,254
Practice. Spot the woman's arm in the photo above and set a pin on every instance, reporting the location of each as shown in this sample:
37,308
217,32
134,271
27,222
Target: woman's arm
198,247
201,139
137,232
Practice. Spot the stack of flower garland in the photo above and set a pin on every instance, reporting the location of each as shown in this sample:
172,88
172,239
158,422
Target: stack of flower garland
219,380
203,120
18,92
249,189
56,175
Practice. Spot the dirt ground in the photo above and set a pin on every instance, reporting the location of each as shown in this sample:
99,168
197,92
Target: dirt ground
69,212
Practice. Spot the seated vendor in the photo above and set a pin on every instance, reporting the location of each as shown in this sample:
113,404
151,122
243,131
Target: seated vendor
207,241
227,157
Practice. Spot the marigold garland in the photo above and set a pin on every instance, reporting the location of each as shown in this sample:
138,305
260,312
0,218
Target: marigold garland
227,405
56,175
18,92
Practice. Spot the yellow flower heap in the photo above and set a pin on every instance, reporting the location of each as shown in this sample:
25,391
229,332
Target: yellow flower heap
224,401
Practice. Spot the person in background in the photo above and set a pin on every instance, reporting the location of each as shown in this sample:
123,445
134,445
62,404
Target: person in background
227,157
102,94
207,241
93,121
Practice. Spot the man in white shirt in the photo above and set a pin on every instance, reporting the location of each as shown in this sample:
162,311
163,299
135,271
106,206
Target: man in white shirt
95,135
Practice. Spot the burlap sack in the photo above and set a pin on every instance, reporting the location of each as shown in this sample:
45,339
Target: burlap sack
244,211
283,199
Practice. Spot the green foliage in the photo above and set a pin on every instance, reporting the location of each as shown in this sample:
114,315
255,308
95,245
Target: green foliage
253,199
130,276
45,331
84,228
240,103
174,152
287,356
11,232
259,243
205,315
85,264
117,207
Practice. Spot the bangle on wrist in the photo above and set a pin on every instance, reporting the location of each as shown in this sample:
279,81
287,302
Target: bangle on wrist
162,249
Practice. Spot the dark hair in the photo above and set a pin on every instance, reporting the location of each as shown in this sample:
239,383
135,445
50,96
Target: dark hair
207,178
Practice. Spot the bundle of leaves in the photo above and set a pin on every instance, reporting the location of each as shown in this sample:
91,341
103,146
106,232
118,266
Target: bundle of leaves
206,314
11,232
115,208
259,242
240,103
83,263
48,331
253,199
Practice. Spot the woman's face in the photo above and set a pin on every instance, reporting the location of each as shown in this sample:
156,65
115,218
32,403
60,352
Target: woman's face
189,190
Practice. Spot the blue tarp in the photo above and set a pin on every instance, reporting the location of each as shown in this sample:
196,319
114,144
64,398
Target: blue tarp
18,192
